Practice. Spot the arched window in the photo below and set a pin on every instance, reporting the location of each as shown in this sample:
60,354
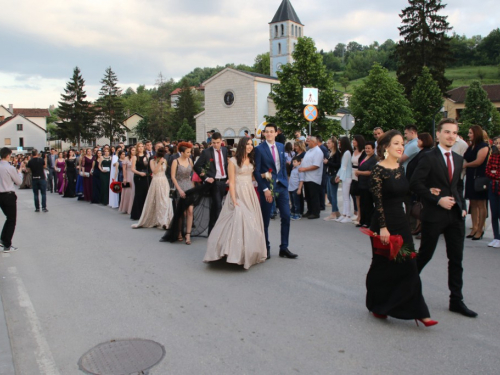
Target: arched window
300,31
296,28
279,48
292,30
282,30
276,31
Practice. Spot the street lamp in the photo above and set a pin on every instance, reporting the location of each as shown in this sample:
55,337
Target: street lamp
440,110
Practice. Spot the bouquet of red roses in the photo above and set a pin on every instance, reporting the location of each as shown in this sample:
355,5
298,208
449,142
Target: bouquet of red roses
394,250
116,186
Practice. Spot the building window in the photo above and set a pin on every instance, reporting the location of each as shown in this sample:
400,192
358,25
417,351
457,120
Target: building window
300,31
229,98
132,141
292,30
279,48
282,30
296,27
276,31
7,142
19,127
21,142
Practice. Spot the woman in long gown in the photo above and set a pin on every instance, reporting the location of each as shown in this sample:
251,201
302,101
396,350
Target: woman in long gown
60,164
88,165
96,178
79,177
140,170
393,289
114,198
70,172
181,172
27,176
105,168
239,231
128,178
157,211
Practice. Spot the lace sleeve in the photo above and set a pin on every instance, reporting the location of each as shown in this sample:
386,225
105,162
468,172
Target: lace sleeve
376,190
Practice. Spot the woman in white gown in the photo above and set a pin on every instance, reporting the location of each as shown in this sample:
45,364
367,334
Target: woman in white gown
114,199
239,231
157,211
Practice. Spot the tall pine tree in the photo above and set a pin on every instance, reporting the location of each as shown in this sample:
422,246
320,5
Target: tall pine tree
111,112
478,109
76,114
186,106
424,43
426,100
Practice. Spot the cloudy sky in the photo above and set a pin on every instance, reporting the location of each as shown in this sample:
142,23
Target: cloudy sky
42,41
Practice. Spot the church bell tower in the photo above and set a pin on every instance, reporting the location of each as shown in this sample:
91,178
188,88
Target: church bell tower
284,30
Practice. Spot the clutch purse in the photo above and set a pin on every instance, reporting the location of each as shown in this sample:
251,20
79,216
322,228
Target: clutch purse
58,169
481,184
86,174
106,169
125,185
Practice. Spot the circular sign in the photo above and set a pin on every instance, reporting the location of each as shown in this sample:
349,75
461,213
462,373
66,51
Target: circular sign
229,98
310,113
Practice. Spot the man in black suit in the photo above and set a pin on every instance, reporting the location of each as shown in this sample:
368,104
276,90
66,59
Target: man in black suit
212,169
437,182
280,137
51,162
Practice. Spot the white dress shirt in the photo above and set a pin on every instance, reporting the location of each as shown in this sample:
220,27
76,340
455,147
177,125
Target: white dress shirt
218,173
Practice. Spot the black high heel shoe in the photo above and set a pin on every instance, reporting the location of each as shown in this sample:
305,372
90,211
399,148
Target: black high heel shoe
471,235
478,238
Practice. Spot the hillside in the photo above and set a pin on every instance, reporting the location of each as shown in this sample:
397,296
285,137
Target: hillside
462,76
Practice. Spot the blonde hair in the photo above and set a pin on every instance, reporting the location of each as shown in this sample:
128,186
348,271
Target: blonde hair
301,145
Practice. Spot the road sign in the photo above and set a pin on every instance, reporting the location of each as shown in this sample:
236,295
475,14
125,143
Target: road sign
310,113
347,122
310,96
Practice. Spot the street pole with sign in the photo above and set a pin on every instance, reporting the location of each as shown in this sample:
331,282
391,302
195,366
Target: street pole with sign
347,122
310,98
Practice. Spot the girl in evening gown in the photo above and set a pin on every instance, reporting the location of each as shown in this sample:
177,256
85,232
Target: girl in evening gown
128,178
157,211
88,165
238,234
96,178
60,164
114,198
70,171
79,177
105,168
393,289
140,170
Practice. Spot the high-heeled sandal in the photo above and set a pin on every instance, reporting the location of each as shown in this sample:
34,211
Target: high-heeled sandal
470,235
180,238
379,316
188,242
428,323
478,238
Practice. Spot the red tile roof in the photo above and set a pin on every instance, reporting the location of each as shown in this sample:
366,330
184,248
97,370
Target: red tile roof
458,94
32,112
178,90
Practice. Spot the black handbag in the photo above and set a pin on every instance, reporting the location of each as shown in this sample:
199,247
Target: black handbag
481,184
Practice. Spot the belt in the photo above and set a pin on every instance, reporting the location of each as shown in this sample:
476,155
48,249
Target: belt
220,179
7,192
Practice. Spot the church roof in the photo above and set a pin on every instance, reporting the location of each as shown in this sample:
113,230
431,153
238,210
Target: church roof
286,13
258,75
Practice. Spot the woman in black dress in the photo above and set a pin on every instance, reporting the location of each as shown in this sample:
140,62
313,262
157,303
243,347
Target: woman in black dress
96,178
476,158
70,175
140,169
393,289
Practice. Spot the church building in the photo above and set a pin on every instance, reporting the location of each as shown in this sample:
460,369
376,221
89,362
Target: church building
237,100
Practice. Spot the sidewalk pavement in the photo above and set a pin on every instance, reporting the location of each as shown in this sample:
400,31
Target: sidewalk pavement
6,360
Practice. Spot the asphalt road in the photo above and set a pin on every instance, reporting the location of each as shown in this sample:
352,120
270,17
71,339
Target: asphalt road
82,276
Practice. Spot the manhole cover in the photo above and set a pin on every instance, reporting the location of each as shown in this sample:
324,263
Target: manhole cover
122,357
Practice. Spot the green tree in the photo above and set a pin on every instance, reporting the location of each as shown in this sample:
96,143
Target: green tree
426,100
478,109
379,101
344,82
76,114
186,106
489,48
307,70
111,113
262,64
424,43
186,132
137,102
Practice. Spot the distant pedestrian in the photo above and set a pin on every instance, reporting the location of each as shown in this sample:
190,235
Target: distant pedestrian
8,199
36,166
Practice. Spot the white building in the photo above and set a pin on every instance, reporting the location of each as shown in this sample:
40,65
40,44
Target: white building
19,131
36,115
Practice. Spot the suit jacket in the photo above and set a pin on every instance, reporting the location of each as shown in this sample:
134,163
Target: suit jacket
51,161
432,172
264,162
204,159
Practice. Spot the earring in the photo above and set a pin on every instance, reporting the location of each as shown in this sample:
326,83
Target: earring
386,154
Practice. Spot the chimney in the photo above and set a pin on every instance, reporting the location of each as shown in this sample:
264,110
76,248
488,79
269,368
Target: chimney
11,108
52,107
2,118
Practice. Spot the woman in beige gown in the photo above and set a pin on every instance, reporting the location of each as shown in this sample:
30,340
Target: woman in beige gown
239,231
157,211
128,177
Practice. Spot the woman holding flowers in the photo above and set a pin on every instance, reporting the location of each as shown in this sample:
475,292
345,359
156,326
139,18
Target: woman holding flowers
393,285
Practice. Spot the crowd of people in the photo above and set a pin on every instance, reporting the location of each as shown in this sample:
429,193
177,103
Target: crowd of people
393,185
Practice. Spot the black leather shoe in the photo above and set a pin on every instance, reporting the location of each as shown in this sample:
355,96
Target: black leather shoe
313,217
268,253
459,307
287,254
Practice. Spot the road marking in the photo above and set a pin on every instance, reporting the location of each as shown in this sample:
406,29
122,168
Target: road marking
43,355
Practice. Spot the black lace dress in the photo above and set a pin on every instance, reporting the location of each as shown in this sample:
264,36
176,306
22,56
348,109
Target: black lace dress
393,288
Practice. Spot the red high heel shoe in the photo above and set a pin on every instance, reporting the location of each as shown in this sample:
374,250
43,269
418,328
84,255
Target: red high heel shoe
428,323
379,316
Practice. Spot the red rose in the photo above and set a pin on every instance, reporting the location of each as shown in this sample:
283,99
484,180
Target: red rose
270,170
211,160
413,255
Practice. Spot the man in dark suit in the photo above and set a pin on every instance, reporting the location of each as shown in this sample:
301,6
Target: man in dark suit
51,162
270,157
436,180
212,169
280,137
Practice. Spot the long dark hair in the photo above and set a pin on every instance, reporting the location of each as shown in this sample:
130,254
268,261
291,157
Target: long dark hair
345,145
360,140
241,152
385,141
